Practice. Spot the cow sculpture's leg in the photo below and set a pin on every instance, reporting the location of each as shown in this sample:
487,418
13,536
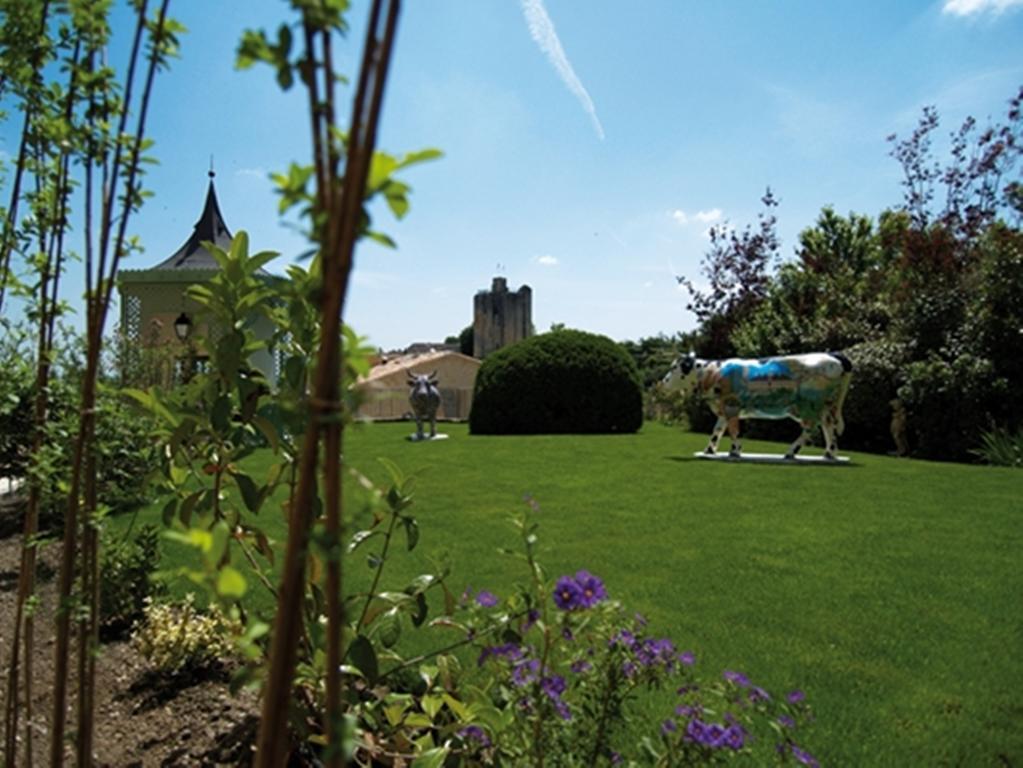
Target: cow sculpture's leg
433,426
733,432
419,427
830,437
801,440
715,436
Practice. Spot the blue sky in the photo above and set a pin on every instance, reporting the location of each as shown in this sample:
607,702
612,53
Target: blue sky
589,158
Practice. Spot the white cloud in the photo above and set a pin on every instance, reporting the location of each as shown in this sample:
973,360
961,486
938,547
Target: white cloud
704,217
707,217
973,7
546,260
541,28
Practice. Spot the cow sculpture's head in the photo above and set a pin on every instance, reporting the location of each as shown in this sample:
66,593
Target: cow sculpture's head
684,373
422,381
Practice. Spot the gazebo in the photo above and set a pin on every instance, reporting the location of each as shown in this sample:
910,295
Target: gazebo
158,319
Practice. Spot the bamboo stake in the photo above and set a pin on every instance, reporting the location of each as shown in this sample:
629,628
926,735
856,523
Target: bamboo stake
341,231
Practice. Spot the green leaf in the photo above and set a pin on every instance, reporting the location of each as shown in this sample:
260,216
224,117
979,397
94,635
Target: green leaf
433,758
229,353
397,476
421,610
218,545
364,657
168,512
381,238
193,537
268,430
411,532
230,583
252,495
389,628
461,711
420,156
361,537
431,705
220,414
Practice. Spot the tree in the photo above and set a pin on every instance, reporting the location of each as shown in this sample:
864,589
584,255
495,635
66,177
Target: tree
737,268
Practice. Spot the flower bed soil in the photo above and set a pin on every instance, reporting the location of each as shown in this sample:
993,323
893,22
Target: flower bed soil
142,719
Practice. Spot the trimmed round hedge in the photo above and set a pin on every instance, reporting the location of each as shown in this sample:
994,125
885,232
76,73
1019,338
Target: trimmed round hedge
562,382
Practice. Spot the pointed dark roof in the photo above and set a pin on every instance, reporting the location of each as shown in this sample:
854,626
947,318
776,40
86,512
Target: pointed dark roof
211,227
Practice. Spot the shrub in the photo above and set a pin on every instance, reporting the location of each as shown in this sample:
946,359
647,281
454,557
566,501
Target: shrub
556,383
1001,448
879,367
125,570
949,402
178,637
125,450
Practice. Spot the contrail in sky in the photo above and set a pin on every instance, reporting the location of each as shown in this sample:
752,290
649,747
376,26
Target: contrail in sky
542,30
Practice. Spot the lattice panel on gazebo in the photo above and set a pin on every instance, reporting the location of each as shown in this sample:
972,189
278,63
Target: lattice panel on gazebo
132,318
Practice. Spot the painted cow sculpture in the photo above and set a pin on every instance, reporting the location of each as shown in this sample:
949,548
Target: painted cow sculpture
425,400
808,388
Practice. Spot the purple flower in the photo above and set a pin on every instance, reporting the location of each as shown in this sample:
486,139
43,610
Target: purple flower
567,634
734,737
759,694
525,672
562,709
623,637
654,651
736,677
567,594
532,616
804,757
668,726
486,599
714,734
796,696
474,733
581,666
553,686
591,589
687,658
695,731
640,619
508,651
786,721
616,759
628,669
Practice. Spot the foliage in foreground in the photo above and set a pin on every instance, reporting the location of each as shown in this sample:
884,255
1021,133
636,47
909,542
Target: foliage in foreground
561,382
559,670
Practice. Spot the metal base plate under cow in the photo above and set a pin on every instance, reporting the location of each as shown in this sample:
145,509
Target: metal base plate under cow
426,438
772,458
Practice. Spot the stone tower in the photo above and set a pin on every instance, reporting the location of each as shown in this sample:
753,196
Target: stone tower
501,317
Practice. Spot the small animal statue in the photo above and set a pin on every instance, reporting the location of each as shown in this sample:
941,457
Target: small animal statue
425,400
808,388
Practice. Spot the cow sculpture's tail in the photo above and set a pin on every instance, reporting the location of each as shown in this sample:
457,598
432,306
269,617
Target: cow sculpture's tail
843,389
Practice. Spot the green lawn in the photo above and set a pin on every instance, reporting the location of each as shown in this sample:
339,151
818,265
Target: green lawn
890,590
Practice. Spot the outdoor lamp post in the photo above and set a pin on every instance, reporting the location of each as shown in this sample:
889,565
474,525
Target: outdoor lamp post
183,327
183,330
